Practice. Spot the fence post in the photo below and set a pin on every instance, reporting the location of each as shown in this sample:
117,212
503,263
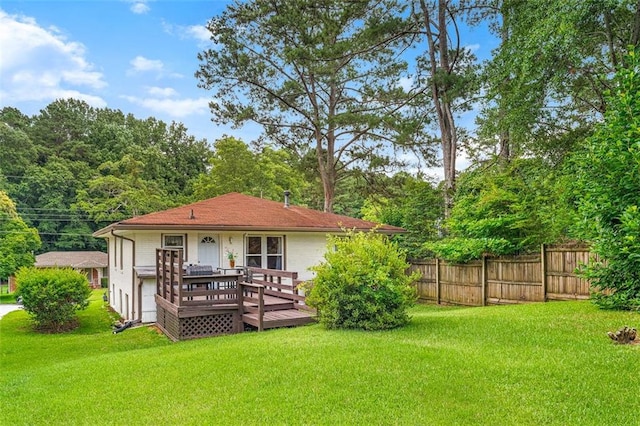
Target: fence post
437,281
484,280
543,266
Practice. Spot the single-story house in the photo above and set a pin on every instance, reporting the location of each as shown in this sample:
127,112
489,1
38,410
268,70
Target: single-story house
250,231
93,263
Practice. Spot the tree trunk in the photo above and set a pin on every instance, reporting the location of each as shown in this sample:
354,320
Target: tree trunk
625,335
440,59
327,169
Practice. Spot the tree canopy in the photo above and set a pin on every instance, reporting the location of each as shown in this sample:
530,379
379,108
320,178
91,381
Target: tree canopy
318,74
18,242
608,181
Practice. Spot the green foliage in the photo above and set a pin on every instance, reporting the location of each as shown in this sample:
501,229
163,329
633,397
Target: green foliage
72,169
549,74
462,250
17,240
410,203
52,296
303,70
362,284
608,184
121,192
507,209
234,167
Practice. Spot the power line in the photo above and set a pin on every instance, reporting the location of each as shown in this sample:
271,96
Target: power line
47,233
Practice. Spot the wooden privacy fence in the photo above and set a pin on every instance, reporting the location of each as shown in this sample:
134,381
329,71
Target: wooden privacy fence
550,275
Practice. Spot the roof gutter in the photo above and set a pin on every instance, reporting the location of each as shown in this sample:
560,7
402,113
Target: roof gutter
239,228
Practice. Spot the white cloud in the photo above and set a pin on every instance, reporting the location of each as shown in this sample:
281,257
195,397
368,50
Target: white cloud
142,64
177,108
200,33
40,64
165,92
472,47
406,83
139,7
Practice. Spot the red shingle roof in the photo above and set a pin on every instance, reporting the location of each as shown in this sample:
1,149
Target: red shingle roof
242,212
73,259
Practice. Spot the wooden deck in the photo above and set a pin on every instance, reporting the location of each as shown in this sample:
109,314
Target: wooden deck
193,306
278,312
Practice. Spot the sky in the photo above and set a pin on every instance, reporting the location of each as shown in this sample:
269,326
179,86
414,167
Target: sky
138,57
135,56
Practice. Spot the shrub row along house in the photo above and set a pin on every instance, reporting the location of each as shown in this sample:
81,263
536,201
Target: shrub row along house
228,232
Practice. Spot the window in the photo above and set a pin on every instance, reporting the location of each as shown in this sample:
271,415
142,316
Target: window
264,252
173,241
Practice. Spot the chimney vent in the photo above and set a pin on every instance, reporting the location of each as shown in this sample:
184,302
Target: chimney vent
192,216
287,193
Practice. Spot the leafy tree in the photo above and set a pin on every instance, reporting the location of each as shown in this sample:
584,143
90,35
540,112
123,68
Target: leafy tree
171,157
278,169
17,151
46,193
508,210
411,203
608,184
46,160
120,192
233,168
319,74
17,240
362,283
52,296
446,72
550,73
61,129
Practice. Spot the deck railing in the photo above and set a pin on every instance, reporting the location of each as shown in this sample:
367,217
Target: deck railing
206,303
283,284
194,290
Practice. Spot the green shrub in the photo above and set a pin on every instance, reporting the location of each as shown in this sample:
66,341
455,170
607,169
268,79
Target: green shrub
362,284
462,250
52,296
608,184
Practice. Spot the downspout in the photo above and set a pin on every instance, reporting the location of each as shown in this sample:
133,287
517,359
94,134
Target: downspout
136,298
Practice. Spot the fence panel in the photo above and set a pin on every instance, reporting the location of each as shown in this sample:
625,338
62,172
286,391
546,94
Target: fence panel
514,279
562,280
426,285
461,284
508,279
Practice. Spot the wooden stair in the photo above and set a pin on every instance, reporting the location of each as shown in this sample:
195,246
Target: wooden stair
277,309
279,318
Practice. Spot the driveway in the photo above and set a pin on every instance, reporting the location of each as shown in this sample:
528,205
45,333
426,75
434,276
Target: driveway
5,309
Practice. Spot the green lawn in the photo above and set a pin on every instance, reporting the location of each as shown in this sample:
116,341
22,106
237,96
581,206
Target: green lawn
526,364
5,296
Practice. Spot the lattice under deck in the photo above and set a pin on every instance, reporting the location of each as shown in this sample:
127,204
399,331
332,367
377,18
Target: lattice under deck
210,325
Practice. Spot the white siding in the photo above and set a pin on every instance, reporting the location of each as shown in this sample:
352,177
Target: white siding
146,245
304,250
121,276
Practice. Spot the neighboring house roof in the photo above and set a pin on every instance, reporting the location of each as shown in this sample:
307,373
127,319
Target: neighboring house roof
239,212
73,259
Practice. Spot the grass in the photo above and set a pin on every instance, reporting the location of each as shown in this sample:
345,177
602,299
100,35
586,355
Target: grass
5,296
526,364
